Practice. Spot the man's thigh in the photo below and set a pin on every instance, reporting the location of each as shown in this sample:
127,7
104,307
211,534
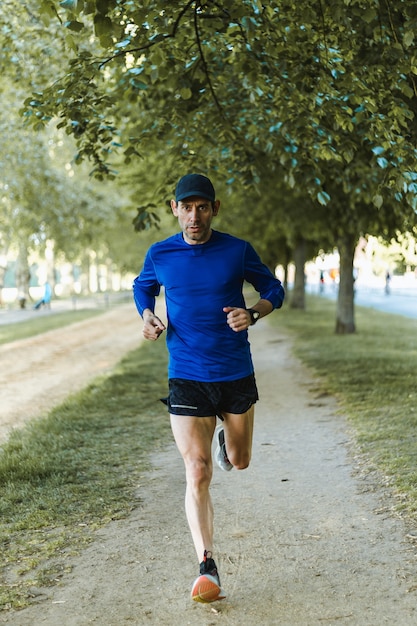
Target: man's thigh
193,436
238,429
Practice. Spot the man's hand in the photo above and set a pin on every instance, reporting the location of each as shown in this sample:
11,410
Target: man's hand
238,319
152,325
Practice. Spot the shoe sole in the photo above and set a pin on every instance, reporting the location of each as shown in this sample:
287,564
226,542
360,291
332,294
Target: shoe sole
205,589
226,467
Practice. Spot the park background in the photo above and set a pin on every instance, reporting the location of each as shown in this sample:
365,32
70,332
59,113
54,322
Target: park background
303,116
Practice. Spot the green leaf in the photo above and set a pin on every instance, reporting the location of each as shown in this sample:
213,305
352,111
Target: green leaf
102,25
323,198
123,44
138,84
408,38
70,5
369,15
186,93
291,181
378,201
382,162
74,25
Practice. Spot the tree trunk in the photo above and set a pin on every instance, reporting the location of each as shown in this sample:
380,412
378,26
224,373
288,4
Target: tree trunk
3,270
285,278
288,253
50,263
298,295
22,276
345,316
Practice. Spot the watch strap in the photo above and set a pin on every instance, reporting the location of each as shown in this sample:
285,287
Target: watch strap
254,316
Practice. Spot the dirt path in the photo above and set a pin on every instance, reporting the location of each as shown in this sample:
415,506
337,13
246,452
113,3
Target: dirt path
40,372
303,537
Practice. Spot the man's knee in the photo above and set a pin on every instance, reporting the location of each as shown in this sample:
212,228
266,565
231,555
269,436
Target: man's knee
199,472
241,460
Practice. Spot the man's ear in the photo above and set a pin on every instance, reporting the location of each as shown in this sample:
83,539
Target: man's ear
174,208
216,207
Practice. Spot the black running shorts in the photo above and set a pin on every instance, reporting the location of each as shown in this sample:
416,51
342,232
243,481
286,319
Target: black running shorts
190,397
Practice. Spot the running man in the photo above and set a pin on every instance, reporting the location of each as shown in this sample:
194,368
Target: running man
210,371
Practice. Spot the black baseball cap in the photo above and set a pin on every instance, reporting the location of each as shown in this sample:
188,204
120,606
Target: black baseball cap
194,185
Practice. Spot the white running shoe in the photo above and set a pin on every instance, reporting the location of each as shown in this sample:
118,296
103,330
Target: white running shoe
221,454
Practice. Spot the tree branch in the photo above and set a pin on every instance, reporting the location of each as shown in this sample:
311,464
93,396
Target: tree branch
205,66
391,21
150,44
324,31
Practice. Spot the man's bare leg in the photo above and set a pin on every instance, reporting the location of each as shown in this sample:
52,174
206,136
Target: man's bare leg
193,436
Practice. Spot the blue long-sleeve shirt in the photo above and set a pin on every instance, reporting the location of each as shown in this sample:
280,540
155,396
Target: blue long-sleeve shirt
199,280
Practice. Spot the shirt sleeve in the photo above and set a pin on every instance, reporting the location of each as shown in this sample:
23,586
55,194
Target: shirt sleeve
146,286
260,276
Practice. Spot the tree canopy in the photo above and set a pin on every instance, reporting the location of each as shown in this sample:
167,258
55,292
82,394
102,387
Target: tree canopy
310,88
305,110
42,197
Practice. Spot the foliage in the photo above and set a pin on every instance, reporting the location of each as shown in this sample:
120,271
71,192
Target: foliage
314,103
319,97
303,86
44,195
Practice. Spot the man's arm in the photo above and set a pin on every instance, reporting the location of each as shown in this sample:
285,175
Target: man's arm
262,279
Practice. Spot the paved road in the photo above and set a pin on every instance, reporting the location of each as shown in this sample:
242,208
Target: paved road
400,301
12,314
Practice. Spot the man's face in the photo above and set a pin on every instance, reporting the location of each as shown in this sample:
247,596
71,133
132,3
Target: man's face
194,217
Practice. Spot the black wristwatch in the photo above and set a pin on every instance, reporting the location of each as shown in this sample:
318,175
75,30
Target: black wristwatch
254,316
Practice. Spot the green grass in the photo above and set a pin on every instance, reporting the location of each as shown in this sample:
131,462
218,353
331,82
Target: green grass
36,326
64,475
372,373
